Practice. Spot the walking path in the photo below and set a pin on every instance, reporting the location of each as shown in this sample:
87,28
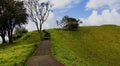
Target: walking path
42,56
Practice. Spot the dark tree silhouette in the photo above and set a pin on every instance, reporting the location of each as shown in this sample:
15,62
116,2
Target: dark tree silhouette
15,14
38,12
3,19
2,32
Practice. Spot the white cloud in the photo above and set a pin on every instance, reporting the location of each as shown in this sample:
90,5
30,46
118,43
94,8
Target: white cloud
106,17
96,4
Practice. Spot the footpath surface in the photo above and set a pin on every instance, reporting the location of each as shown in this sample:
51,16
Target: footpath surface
42,56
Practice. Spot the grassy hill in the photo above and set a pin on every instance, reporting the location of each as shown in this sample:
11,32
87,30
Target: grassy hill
17,54
89,46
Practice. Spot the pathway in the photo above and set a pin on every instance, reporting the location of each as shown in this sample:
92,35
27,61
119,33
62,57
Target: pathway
42,55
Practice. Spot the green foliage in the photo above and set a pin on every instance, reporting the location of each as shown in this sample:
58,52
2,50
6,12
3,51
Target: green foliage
12,14
18,53
19,32
68,23
90,46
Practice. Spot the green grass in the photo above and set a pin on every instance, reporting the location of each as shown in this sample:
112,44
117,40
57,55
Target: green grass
18,53
89,46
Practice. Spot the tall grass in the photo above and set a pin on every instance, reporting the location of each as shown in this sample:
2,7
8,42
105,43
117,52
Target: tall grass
89,46
18,53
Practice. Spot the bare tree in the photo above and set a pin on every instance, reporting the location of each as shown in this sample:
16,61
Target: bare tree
38,12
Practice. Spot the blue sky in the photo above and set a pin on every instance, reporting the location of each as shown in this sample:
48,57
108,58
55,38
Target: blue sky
91,12
77,11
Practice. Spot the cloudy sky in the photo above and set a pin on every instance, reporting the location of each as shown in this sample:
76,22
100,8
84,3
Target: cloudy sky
91,12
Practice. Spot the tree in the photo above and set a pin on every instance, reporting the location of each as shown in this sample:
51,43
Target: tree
38,12
2,33
15,15
68,23
3,19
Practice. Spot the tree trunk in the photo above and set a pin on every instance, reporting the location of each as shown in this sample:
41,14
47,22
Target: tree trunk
3,33
10,36
37,27
3,39
40,31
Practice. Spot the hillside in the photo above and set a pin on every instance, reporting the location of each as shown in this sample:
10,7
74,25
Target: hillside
89,46
17,54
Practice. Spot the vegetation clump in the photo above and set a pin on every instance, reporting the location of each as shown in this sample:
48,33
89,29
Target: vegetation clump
19,32
68,23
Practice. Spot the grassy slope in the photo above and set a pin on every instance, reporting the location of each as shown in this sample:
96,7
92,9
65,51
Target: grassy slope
16,54
90,46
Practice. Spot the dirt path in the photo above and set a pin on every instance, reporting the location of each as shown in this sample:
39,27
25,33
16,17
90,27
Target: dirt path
42,56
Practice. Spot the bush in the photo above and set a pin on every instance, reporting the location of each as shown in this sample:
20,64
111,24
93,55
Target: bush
19,32
68,23
71,26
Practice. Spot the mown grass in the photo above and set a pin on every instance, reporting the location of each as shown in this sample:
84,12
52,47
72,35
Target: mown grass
18,53
89,46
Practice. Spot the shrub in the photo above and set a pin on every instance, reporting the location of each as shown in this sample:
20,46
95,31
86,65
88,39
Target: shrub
19,32
68,23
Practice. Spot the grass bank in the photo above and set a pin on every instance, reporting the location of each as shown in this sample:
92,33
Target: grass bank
89,46
18,53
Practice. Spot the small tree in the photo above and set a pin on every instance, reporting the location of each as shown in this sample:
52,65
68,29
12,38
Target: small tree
68,23
38,12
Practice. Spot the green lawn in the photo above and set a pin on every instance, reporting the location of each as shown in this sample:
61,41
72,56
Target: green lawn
18,53
89,46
